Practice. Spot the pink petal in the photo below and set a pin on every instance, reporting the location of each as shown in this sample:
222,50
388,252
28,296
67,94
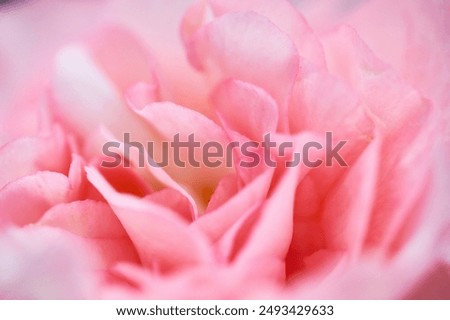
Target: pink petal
25,63
265,243
43,263
349,57
316,95
80,187
281,13
179,82
216,222
412,39
311,194
233,97
85,98
155,175
389,101
26,156
368,279
226,189
175,201
141,94
25,200
402,193
126,180
97,226
162,239
221,49
122,57
286,17
169,120
346,210
208,282
23,117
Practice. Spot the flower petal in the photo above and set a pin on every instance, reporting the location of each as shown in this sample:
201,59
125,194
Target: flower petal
170,120
265,243
43,263
122,57
221,49
26,156
85,98
97,226
285,16
179,82
174,200
25,200
347,208
280,12
232,98
161,237
216,222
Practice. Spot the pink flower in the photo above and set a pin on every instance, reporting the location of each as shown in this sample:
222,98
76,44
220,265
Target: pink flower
227,72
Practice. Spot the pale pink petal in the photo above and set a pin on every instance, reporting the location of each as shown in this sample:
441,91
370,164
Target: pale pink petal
221,49
23,117
368,279
207,282
346,210
216,222
285,16
122,57
26,63
97,226
232,98
316,96
25,200
388,100
155,175
79,185
281,13
174,200
235,237
324,104
269,239
26,156
141,94
198,14
376,276
426,65
412,39
85,98
228,186
401,191
43,263
169,120
162,238
156,24
349,57
395,110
